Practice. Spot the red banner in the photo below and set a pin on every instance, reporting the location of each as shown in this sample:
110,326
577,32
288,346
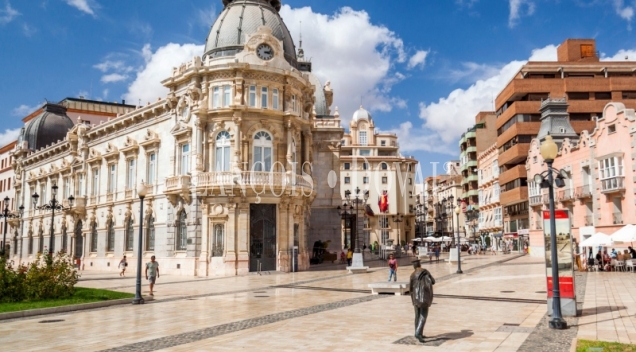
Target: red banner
566,286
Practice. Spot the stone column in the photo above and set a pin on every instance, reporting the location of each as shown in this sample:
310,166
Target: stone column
242,238
231,233
285,222
204,265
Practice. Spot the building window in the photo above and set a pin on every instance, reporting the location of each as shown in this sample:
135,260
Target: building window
185,159
275,99
130,235
385,180
362,138
365,152
222,155
611,129
347,166
130,176
253,96
262,151
410,181
347,180
264,95
150,234
110,245
384,166
383,143
495,191
294,103
112,178
94,237
495,169
365,180
217,243
67,187
611,173
216,97
343,142
152,166
95,185
365,166
80,182
226,95
182,231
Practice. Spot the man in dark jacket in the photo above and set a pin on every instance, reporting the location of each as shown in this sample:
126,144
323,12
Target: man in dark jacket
421,289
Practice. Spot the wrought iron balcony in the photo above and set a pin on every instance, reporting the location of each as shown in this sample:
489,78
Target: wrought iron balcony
250,179
613,185
564,195
536,200
583,192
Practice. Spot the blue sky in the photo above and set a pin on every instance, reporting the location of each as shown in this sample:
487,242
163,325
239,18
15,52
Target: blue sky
423,68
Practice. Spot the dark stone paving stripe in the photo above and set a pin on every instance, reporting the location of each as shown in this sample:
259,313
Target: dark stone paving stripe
206,333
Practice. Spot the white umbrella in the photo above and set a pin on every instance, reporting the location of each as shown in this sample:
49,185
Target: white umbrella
598,239
437,239
446,238
626,234
417,240
430,239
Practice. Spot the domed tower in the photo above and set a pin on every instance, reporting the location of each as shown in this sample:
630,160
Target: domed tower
47,128
242,18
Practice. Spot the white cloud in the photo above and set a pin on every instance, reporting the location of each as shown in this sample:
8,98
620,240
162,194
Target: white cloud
418,59
24,110
28,30
624,12
621,55
417,139
471,71
9,136
82,5
158,65
517,10
113,78
449,117
105,94
206,17
8,13
112,65
357,56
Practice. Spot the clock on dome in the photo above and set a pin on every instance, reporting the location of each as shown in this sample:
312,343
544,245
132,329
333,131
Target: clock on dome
264,52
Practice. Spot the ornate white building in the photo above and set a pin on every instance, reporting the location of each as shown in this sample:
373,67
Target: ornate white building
226,155
371,161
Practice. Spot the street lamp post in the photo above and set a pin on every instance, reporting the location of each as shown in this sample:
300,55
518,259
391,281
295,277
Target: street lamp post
141,192
398,218
53,205
459,246
549,151
345,212
6,215
358,198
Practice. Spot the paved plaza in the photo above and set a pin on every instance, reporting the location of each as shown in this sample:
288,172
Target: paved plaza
498,304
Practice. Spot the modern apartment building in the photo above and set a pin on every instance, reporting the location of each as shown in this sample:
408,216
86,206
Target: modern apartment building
578,75
599,190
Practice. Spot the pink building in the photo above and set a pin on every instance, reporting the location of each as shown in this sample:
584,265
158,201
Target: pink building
598,192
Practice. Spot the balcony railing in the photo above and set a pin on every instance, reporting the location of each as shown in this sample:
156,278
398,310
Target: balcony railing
536,200
613,185
538,225
589,220
564,195
92,200
618,218
129,193
110,197
245,178
583,192
546,199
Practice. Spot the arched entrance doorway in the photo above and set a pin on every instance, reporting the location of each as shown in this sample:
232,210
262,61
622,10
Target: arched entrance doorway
263,237
79,240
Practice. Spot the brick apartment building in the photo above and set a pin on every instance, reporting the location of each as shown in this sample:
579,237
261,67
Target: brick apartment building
578,75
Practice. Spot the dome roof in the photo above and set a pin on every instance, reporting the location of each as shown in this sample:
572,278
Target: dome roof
241,18
361,114
47,128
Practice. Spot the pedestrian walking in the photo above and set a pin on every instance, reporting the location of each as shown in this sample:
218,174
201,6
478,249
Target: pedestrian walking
122,265
437,249
349,256
152,273
393,265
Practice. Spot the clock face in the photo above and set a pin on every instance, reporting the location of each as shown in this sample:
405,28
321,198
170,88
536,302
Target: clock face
265,52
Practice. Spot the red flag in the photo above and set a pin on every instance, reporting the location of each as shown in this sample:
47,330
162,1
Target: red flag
384,202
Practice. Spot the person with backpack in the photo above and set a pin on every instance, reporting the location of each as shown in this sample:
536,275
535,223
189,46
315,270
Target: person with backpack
421,290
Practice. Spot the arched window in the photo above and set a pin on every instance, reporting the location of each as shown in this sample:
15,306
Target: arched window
217,242
262,151
222,151
130,235
111,236
94,237
150,234
384,166
182,232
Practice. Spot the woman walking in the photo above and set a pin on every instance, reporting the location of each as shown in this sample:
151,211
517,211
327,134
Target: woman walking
393,265
122,265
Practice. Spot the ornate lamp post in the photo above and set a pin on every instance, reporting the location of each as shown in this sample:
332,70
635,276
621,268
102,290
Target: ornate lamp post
141,192
53,205
549,151
398,218
358,198
458,210
6,215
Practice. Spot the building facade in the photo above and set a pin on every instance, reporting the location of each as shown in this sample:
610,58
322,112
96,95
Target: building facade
226,158
588,84
490,211
599,191
7,179
371,161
